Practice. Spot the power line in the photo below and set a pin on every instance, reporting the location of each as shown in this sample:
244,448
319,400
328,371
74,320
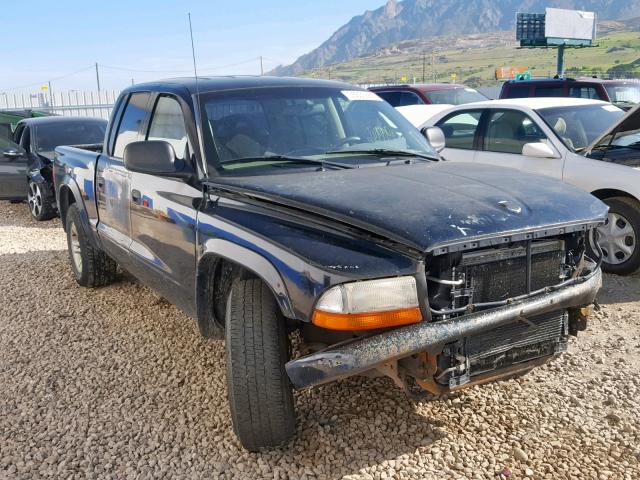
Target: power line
53,79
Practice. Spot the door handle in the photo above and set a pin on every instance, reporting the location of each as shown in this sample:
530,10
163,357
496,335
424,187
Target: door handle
100,182
136,196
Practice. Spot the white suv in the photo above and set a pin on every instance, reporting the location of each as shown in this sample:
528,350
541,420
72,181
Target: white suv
590,144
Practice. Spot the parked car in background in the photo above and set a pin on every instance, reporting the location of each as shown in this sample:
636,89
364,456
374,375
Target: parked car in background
587,143
623,93
310,206
30,174
427,94
13,171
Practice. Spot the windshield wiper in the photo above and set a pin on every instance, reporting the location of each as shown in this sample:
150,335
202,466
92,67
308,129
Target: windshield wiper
285,158
387,152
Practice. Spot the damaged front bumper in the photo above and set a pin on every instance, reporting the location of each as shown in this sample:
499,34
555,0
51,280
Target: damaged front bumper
363,354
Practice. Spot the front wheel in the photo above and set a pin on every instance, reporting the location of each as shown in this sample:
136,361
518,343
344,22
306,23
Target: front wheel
260,394
618,237
40,201
91,266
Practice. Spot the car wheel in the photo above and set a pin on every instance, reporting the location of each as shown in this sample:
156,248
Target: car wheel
618,237
91,266
40,201
260,394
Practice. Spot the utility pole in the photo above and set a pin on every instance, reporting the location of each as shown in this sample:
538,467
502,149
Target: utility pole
433,64
97,77
261,66
50,95
424,60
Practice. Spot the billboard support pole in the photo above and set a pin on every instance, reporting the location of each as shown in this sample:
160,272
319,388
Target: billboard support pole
560,68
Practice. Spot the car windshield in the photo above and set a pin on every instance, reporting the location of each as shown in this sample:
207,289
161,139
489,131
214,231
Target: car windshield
280,128
579,125
455,96
623,92
52,135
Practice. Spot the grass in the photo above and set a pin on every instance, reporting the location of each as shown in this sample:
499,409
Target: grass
477,65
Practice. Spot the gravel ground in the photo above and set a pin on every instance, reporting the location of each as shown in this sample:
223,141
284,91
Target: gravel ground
117,383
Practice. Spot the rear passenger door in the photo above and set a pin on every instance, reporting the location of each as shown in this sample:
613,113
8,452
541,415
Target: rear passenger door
504,134
163,210
461,133
113,180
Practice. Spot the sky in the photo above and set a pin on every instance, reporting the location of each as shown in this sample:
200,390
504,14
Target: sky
142,40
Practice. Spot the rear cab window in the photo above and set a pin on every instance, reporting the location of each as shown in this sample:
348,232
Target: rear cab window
549,91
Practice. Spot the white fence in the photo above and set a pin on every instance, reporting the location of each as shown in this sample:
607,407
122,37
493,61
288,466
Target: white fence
73,103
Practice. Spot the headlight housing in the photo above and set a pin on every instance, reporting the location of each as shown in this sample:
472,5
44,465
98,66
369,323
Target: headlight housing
369,304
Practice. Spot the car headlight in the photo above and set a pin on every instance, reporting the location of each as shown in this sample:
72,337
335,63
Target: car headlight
370,304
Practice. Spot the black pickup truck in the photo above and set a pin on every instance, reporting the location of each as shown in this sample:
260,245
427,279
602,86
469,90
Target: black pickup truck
270,209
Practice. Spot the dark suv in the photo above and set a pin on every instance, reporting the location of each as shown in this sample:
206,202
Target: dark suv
427,94
624,93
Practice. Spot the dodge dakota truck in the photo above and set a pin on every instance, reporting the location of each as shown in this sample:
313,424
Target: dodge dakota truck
280,212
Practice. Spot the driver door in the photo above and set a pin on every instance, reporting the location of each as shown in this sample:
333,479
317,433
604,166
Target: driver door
13,171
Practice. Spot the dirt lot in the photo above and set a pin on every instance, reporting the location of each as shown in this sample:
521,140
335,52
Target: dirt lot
116,383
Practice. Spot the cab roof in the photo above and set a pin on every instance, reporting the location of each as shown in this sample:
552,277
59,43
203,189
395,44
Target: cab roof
236,82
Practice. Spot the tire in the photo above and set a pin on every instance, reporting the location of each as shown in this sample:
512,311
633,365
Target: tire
91,266
260,394
40,201
619,237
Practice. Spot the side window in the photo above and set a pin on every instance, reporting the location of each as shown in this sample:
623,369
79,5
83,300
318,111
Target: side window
134,114
460,128
167,124
508,131
25,139
392,98
410,98
520,91
549,92
584,92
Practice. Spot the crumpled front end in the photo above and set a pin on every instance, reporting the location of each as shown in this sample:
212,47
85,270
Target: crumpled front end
492,312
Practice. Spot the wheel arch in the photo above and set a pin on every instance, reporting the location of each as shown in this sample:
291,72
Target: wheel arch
221,263
67,198
604,193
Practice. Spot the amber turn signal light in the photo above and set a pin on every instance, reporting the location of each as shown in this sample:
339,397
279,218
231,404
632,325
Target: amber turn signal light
366,321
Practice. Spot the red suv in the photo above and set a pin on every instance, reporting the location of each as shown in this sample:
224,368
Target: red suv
624,93
426,94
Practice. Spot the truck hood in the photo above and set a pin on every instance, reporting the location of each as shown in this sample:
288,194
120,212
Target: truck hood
427,205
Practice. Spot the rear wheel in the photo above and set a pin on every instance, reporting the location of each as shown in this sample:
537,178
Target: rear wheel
40,201
260,394
91,266
618,237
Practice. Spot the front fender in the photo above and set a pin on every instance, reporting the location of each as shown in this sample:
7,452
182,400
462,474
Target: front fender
253,262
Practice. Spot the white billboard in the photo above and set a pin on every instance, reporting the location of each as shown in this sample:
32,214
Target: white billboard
570,24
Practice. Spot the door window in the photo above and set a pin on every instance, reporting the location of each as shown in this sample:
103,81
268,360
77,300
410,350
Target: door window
460,129
509,130
584,92
549,92
132,119
410,98
168,125
392,98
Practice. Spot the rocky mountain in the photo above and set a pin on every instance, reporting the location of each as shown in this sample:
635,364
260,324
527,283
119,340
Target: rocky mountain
398,21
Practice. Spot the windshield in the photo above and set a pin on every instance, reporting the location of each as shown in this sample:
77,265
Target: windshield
455,96
50,136
579,125
258,128
623,93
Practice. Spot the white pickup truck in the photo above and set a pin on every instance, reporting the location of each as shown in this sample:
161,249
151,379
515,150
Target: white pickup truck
587,143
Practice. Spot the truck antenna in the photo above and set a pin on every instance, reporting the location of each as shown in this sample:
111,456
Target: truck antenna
198,103
193,53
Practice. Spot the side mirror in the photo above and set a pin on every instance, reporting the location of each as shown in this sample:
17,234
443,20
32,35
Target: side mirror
538,150
435,137
13,153
154,157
